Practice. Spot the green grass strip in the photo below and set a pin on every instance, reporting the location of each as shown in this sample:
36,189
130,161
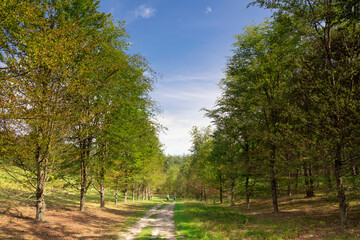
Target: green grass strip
197,220
146,234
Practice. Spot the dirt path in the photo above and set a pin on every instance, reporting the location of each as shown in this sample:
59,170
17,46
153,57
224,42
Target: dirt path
162,224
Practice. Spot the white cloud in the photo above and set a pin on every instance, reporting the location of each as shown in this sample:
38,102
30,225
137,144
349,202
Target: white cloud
208,10
144,12
182,102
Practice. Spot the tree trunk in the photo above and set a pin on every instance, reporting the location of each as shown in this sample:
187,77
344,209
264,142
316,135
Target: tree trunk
247,194
205,193
125,193
296,181
116,193
133,193
85,153
221,193
102,188
149,194
102,195
143,193
289,186
83,184
138,193
232,190
328,178
355,169
308,180
201,195
40,188
273,180
340,186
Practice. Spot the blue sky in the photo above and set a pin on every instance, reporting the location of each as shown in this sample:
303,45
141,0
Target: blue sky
188,43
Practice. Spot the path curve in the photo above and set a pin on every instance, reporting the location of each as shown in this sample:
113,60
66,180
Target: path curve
162,225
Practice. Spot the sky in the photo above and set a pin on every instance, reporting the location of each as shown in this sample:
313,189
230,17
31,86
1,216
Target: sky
188,43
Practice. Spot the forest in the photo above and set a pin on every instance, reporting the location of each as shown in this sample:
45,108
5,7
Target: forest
75,105
77,116
288,117
289,109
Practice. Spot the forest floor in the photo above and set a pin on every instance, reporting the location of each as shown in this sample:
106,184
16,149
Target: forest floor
158,223
299,218
64,221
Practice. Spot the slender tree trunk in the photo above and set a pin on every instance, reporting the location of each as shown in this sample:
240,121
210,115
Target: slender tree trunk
308,180
328,178
205,193
355,169
201,195
149,194
133,193
85,153
83,184
273,180
232,190
143,193
116,193
289,186
125,193
340,186
247,194
311,181
138,193
40,188
296,181
221,193
102,188
102,195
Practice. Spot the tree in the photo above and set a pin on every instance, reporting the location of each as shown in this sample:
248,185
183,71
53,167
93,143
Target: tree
328,81
40,77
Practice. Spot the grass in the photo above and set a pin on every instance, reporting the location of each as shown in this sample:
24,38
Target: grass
162,206
146,234
300,218
195,220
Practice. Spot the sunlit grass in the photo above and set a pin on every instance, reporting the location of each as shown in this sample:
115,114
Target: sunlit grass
146,234
300,218
196,220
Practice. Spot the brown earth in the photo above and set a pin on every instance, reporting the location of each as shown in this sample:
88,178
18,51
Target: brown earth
313,218
65,222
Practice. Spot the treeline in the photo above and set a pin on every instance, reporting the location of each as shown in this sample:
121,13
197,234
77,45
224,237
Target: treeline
289,113
74,104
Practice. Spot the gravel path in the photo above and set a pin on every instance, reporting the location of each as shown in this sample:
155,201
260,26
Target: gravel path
162,225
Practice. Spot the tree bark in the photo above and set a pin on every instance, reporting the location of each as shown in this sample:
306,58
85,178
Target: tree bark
309,183
232,190
138,193
102,195
116,193
40,188
273,180
143,193
340,186
247,194
221,193
205,193
125,193
296,181
133,193
102,188
149,194
85,153
83,184
328,178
